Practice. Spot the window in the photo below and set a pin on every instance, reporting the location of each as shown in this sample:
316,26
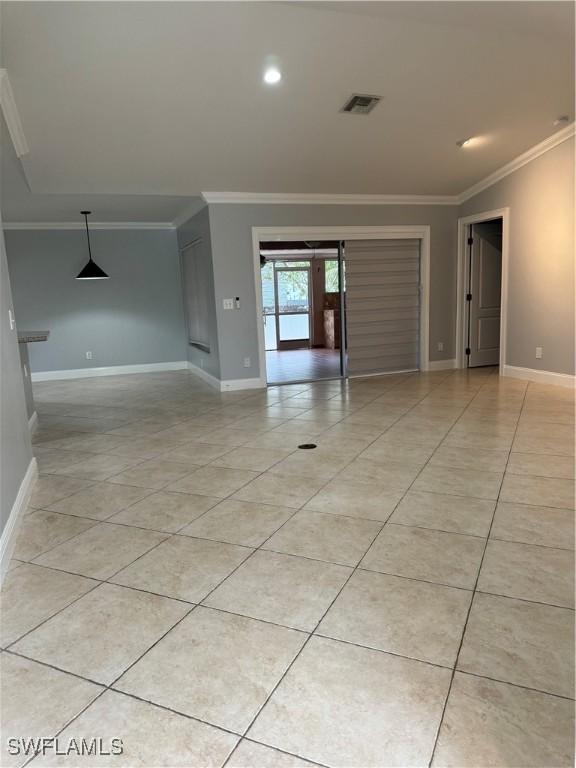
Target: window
331,279
197,288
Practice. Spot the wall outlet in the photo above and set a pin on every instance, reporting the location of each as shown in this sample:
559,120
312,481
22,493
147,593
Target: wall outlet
247,362
440,346
237,302
539,353
228,303
88,355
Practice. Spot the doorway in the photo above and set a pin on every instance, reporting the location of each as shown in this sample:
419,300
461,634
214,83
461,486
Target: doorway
482,280
408,334
301,310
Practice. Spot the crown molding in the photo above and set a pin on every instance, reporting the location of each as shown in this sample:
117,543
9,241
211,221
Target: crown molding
534,152
274,198
12,116
289,198
43,225
188,213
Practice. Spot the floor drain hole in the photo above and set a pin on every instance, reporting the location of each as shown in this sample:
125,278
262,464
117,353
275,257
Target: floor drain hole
307,446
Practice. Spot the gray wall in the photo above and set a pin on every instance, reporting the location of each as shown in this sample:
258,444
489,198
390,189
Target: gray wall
15,448
198,227
231,228
540,196
135,317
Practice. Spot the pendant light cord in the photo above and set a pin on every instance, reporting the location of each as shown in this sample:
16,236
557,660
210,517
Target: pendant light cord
85,214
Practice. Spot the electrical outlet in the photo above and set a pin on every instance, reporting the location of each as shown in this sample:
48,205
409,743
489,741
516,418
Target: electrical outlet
237,302
247,362
228,303
539,353
440,346
88,355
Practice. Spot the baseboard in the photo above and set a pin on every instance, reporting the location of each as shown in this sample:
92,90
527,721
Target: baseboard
229,385
10,532
202,374
441,365
111,370
33,423
541,377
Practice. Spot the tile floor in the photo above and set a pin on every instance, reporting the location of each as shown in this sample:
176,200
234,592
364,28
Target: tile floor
189,581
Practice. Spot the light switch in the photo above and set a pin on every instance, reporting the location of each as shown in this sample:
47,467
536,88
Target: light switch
228,303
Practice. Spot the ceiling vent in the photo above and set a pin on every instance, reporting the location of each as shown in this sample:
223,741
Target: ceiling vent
360,104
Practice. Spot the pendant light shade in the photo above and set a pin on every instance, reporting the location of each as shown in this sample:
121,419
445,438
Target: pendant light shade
91,271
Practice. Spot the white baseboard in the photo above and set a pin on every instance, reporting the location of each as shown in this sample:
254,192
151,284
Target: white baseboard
541,377
229,385
111,370
441,365
202,374
33,423
10,532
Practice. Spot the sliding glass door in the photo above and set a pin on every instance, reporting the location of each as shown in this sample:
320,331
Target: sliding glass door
303,312
286,305
292,306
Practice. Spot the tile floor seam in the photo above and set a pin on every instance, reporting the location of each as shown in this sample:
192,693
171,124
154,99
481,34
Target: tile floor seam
69,722
277,749
441,722
108,688
532,543
64,541
326,611
477,393
515,685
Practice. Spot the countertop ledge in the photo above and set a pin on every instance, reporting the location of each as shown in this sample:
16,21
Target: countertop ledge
26,336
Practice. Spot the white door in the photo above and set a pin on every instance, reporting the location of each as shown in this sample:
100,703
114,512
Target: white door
485,288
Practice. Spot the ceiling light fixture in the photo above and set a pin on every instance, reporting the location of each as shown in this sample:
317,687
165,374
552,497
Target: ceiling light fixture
91,271
465,142
272,76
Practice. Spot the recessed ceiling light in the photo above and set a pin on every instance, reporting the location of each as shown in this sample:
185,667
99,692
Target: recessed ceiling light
465,142
272,76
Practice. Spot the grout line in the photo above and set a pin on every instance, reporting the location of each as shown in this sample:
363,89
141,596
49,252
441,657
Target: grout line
329,427
289,667
441,722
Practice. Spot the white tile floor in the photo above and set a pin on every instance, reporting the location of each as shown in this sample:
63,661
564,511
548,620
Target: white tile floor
189,581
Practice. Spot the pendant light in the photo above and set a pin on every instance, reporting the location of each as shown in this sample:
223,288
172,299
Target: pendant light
91,271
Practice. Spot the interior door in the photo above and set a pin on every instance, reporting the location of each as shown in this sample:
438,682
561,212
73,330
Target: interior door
485,287
292,307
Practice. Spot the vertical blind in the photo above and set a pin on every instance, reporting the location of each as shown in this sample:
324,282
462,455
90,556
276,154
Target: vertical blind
382,305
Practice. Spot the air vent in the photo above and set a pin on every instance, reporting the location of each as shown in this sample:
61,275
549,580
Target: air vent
360,104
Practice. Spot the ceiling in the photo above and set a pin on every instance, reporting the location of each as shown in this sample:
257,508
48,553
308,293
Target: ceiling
136,107
19,204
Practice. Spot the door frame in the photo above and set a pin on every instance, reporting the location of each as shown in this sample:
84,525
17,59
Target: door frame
462,281
408,232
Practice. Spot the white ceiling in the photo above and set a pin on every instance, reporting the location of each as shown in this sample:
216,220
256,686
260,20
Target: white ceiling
18,204
159,101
